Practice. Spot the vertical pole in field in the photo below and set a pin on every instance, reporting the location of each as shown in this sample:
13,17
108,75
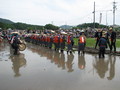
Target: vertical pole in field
100,18
114,8
94,17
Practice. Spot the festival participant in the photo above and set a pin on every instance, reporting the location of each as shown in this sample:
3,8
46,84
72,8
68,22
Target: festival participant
32,38
107,35
44,38
37,39
113,40
102,45
81,42
56,40
98,35
15,43
69,43
62,42
49,40
0,37
46,43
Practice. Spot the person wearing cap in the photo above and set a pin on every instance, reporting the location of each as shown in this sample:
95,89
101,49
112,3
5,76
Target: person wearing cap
102,45
81,42
107,35
98,35
113,40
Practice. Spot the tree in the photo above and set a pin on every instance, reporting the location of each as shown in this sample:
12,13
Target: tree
97,25
51,27
2,25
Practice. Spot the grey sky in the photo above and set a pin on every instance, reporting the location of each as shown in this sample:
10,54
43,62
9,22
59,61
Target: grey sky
71,12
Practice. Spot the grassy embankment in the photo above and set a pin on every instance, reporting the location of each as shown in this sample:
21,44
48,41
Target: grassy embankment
90,42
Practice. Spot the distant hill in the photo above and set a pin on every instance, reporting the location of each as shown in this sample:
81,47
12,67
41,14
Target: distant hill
6,24
6,21
66,27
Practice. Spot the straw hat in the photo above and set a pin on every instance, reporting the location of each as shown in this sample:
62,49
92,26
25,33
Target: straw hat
110,28
14,32
63,33
82,31
104,32
99,30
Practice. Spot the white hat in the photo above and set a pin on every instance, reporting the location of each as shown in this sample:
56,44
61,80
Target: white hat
63,33
82,30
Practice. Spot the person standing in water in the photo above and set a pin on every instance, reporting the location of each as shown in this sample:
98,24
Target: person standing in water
81,42
113,40
102,45
98,35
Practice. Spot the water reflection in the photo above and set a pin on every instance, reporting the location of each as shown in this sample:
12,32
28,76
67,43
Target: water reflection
101,66
55,57
105,67
69,62
18,61
62,60
2,45
112,60
81,62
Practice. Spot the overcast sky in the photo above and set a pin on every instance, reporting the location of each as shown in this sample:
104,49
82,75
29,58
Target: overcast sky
58,12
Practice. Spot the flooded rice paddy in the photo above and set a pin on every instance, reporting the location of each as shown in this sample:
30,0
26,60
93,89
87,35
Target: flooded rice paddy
39,68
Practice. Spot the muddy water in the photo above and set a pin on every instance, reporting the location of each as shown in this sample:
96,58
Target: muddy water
38,68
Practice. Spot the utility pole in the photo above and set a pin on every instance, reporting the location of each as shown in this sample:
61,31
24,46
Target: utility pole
52,22
106,17
94,17
114,8
101,15
100,18
66,25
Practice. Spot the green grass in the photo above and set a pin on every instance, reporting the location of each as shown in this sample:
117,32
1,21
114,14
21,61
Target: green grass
118,43
90,42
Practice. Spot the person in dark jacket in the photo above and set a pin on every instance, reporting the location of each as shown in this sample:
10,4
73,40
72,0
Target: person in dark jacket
98,35
102,45
15,43
107,35
113,40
